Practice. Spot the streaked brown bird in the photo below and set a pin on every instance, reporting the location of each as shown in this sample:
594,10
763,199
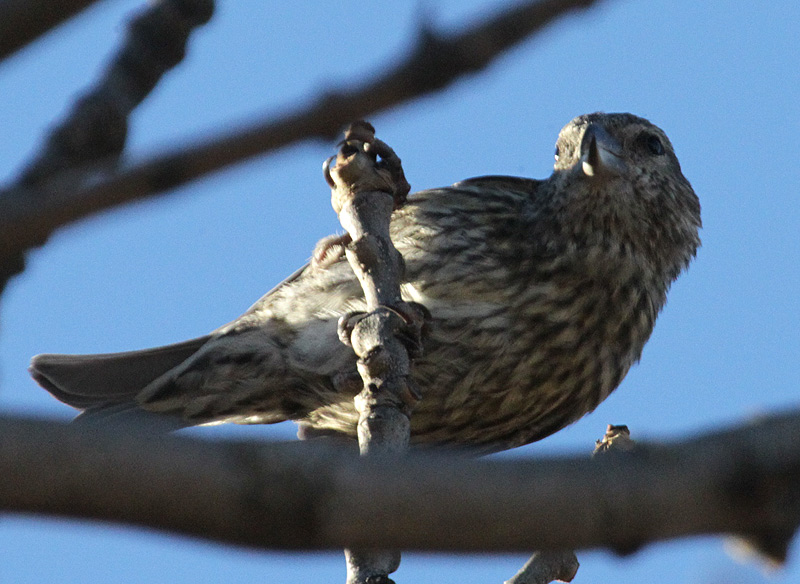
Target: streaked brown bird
542,294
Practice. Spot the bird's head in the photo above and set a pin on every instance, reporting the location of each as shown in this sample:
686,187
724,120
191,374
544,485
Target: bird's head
618,174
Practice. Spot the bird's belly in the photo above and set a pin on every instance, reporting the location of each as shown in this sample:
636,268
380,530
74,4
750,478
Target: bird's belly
497,400
496,375
488,387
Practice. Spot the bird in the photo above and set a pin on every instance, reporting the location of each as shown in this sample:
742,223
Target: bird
540,294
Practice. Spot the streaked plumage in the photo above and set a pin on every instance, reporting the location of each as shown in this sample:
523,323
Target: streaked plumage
542,295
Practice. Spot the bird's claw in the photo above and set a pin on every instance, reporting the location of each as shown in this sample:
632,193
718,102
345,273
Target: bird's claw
347,322
409,330
329,250
415,318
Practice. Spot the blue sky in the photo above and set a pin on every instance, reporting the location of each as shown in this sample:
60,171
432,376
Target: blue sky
720,78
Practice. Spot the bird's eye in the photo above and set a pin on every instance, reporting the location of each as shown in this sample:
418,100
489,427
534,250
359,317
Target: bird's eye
557,153
654,145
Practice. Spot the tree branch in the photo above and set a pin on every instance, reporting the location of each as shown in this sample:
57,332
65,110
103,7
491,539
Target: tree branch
29,216
94,131
96,127
23,21
367,184
743,481
364,193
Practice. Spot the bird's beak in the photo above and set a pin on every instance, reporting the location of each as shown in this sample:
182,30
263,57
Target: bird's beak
601,154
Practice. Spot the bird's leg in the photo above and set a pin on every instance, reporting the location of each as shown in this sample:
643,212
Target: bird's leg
415,318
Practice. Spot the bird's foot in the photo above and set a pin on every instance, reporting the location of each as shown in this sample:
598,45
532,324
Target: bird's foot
410,327
330,250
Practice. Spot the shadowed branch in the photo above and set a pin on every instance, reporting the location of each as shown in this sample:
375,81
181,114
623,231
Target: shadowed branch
91,139
28,216
23,21
743,481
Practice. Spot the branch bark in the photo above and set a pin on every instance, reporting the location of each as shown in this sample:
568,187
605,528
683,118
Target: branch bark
23,21
364,192
743,481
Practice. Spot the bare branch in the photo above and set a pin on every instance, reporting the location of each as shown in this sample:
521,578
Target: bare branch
23,21
96,127
27,218
94,131
742,481
364,192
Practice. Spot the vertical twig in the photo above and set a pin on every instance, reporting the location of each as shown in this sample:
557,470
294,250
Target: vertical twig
367,184
548,566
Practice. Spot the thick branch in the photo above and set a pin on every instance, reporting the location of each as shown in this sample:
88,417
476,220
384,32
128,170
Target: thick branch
23,21
309,496
27,218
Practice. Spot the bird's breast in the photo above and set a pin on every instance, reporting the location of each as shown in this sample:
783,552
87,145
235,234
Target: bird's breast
508,368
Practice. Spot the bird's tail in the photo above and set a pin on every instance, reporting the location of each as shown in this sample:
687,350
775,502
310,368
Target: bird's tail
105,386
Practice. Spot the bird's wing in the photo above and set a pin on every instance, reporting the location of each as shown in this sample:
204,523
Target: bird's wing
512,183
261,301
501,182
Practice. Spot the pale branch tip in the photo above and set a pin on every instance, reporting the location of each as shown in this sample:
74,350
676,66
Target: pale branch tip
616,439
360,130
547,566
